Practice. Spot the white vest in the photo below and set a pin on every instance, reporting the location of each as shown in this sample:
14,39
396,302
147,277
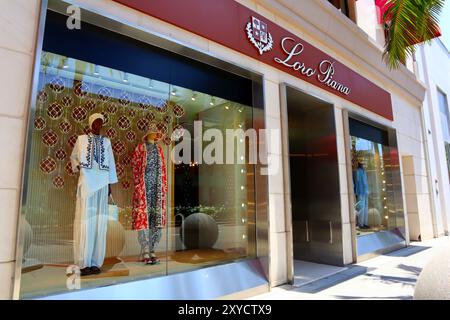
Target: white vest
93,175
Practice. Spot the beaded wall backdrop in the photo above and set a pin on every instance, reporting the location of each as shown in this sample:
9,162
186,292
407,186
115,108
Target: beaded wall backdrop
69,91
63,106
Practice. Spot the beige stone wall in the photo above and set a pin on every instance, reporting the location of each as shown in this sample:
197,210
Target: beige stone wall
18,27
433,67
417,194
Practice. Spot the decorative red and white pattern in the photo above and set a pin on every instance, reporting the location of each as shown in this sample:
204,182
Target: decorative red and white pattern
104,94
105,118
162,127
143,124
47,165
131,113
68,169
72,140
79,114
55,111
111,108
65,126
67,101
150,116
126,184
119,147
57,84
50,138
144,102
111,133
162,109
131,136
125,99
167,141
126,160
178,111
42,97
123,123
167,118
58,182
86,130
81,89
152,127
90,104
120,170
40,123
60,154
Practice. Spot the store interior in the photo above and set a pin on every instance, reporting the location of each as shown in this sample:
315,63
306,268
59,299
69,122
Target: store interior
314,179
367,156
377,192
210,211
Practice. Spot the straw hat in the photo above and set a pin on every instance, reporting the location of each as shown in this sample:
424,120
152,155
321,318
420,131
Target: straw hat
152,128
94,117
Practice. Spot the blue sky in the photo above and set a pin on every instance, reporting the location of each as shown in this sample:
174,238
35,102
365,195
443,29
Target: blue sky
445,24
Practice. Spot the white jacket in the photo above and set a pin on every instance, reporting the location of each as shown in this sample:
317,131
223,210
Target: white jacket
93,175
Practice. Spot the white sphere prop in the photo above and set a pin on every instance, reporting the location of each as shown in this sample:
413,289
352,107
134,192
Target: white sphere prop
434,280
374,218
199,231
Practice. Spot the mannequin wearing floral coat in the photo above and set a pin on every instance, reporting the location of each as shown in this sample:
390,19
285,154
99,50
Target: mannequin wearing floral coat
149,198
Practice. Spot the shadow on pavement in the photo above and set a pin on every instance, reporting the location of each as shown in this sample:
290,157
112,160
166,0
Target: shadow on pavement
327,282
356,270
408,251
411,269
391,279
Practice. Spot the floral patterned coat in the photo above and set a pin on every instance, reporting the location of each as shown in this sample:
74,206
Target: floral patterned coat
140,214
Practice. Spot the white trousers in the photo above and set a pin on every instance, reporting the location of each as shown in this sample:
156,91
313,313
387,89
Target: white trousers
90,225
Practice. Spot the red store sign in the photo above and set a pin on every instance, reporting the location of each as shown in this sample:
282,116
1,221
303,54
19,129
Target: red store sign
239,28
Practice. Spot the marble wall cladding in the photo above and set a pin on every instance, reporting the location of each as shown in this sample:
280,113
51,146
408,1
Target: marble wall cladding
18,29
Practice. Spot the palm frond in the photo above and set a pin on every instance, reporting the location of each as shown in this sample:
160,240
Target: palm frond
411,22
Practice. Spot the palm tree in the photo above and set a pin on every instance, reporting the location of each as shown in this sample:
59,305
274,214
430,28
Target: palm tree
409,22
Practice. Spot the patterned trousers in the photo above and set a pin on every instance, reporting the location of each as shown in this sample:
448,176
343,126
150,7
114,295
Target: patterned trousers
149,238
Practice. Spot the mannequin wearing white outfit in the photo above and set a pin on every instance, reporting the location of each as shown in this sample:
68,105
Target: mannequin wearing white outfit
92,155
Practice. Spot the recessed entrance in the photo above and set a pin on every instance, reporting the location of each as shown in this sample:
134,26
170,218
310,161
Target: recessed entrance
314,185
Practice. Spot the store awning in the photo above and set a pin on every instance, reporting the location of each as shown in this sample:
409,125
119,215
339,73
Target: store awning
383,5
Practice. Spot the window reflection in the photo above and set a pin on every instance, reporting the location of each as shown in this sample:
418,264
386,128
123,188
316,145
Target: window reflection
372,186
171,217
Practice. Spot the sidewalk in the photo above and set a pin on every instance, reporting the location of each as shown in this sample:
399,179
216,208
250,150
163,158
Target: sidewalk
390,276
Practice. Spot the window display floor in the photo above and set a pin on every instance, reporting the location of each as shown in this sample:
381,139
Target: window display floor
363,232
52,278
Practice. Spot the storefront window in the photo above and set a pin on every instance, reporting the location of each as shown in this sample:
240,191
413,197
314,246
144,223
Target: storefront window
164,216
378,217
370,184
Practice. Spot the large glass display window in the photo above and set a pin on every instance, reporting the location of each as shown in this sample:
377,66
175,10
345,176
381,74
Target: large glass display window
106,200
376,186
371,184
